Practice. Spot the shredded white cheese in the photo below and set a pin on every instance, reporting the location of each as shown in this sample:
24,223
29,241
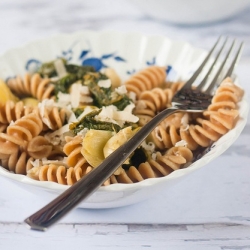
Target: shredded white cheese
181,143
132,96
75,94
112,114
48,105
150,147
121,90
104,83
185,128
158,137
60,68
57,137
184,120
141,105
63,99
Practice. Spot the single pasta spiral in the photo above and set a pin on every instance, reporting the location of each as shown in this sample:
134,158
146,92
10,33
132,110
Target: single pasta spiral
58,173
163,165
53,118
32,85
220,116
12,111
21,160
151,102
72,149
20,132
39,147
226,96
146,79
18,162
169,131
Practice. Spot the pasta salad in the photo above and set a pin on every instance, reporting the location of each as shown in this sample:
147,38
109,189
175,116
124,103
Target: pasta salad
63,120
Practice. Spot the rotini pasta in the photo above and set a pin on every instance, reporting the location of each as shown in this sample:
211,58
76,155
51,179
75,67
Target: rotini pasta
20,132
216,121
45,140
58,173
72,149
12,111
53,118
147,79
150,102
163,165
18,162
39,147
32,85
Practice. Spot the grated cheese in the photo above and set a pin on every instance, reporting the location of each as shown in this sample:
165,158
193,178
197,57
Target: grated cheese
60,68
121,90
185,120
150,147
112,114
75,95
104,83
181,143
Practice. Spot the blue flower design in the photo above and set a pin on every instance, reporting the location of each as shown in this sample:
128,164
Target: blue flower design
98,62
32,65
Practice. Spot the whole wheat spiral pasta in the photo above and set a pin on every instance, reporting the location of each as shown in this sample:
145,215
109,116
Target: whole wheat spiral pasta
216,121
146,79
168,132
226,96
220,117
53,117
20,132
163,165
39,147
72,149
58,173
46,142
18,162
32,85
150,102
3,127
12,111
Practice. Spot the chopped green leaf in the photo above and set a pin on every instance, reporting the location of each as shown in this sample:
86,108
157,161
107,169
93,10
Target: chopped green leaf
48,69
88,121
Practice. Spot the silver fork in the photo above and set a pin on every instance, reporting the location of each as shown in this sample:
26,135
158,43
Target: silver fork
187,99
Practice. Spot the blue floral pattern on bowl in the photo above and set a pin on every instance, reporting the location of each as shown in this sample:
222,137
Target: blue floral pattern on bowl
98,62
84,59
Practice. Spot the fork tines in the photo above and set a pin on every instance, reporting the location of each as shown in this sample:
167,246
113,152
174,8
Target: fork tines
218,64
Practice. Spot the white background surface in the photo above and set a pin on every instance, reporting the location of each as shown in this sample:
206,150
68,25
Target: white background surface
208,210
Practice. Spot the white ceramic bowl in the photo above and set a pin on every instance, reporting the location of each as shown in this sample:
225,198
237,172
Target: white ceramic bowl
126,52
189,12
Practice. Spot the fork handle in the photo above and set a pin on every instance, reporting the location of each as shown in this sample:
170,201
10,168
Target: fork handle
66,201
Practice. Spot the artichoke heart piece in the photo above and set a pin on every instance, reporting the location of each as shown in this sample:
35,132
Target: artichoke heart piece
117,140
93,144
30,102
